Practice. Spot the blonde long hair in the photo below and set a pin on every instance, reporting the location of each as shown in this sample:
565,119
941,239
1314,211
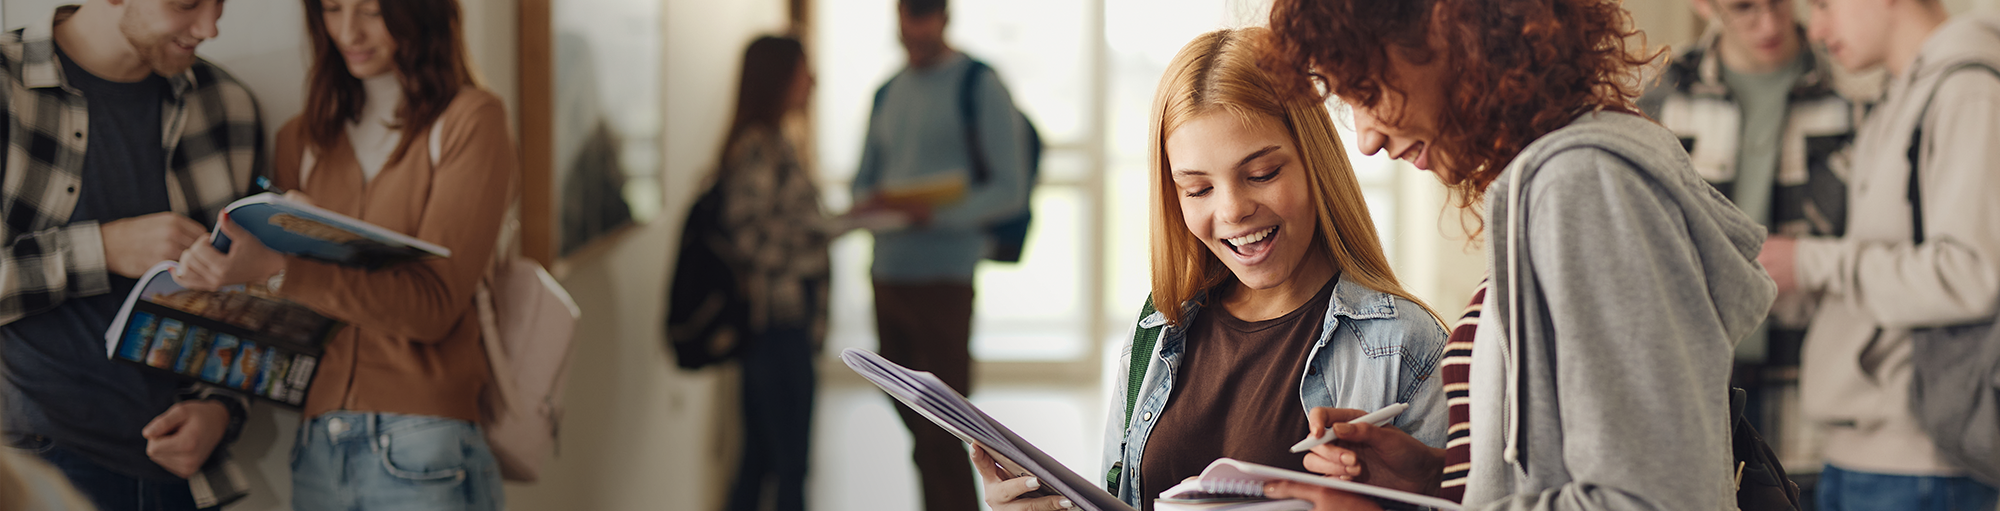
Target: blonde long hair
1219,72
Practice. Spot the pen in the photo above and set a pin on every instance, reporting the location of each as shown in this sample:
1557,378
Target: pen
1376,418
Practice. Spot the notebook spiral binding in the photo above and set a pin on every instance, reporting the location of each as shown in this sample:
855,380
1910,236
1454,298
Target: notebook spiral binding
1250,487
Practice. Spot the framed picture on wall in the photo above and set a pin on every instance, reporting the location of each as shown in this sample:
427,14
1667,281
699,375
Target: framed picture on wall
592,121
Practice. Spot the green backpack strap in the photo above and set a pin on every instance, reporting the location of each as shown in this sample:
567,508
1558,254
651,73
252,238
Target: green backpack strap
1143,340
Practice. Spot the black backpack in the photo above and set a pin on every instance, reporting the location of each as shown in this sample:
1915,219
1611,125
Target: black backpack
1761,483
1008,235
707,313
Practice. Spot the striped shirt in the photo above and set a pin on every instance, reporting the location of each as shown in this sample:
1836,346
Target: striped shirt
1457,371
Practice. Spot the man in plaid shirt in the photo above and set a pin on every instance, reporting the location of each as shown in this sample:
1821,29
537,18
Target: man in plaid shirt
122,147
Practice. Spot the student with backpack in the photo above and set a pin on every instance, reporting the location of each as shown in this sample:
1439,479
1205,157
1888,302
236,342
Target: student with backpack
1921,253
392,418
919,136
771,230
1282,300
1596,367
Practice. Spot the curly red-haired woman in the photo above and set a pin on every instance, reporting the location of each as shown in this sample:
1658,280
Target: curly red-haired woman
1619,280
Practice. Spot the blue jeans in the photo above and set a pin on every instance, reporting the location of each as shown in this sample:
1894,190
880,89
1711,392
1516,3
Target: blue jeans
778,387
108,489
1847,490
352,461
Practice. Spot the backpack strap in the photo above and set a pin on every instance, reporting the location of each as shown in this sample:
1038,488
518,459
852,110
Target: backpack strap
1143,340
872,176
968,110
306,161
436,140
1916,142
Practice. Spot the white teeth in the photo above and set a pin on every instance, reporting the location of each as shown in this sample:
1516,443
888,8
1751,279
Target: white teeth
1251,238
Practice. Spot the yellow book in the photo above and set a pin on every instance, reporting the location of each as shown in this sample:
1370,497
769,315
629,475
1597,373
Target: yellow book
934,191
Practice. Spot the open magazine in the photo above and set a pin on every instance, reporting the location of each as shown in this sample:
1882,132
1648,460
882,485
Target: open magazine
240,337
294,227
929,396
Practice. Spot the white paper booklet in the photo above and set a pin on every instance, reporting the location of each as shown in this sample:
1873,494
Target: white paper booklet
929,396
1236,477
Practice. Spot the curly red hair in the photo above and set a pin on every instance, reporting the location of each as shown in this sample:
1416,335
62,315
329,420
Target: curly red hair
1520,69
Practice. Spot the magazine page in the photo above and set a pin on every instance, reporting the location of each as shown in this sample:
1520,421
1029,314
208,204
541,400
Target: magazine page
151,281
930,397
300,229
241,337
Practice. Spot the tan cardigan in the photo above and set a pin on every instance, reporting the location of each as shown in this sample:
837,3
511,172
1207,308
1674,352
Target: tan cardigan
412,344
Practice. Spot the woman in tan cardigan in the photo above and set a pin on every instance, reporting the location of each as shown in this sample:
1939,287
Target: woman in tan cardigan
390,422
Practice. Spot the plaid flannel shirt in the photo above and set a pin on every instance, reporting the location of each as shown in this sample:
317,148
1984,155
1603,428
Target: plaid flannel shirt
214,144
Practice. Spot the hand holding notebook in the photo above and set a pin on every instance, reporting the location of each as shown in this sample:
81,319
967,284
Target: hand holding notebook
1227,477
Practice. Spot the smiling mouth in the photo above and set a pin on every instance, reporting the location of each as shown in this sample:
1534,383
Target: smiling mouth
1417,154
1237,244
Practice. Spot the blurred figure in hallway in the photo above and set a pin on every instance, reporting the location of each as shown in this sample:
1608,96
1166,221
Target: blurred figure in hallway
771,210
1749,91
1922,251
918,138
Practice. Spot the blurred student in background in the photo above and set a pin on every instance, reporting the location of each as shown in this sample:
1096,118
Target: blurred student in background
124,148
1607,388
1922,249
923,274
390,422
771,210
1283,300
1757,110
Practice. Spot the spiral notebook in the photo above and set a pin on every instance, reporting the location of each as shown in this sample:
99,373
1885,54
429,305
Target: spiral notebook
1236,478
929,396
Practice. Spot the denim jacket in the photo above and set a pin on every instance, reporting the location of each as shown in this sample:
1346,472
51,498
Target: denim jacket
1374,349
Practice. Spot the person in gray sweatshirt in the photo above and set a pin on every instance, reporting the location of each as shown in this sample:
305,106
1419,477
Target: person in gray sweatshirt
1619,280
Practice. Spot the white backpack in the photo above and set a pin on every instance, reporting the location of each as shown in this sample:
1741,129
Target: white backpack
527,322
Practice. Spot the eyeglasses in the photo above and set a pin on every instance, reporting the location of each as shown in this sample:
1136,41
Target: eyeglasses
1747,12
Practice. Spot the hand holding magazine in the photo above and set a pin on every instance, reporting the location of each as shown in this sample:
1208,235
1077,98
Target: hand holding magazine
241,338
296,228
929,396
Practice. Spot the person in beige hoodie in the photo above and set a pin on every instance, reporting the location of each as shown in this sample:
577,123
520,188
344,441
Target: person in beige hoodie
1883,278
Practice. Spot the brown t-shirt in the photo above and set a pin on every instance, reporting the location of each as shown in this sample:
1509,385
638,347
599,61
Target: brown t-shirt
1236,395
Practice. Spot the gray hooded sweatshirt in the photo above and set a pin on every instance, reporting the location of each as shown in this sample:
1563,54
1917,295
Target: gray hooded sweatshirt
1636,280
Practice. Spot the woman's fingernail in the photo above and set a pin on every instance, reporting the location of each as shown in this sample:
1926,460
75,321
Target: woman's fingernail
1034,483
1066,504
